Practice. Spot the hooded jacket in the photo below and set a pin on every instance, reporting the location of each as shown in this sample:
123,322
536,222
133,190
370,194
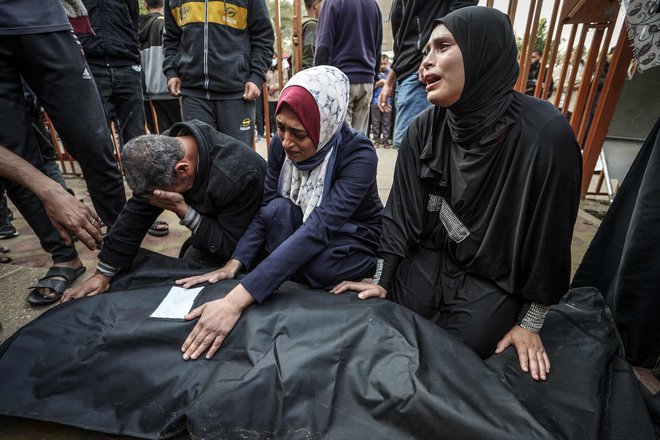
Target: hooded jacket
226,192
215,47
412,23
115,42
151,53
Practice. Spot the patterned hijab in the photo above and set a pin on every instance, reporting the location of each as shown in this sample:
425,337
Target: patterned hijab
330,88
307,181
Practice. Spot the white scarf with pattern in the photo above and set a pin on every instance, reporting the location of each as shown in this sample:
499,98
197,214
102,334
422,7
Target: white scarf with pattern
330,89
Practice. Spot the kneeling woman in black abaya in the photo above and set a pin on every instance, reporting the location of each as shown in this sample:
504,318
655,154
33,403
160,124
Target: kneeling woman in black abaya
477,228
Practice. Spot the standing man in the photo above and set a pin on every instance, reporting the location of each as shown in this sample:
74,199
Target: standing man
349,36
412,22
167,108
216,57
37,43
309,22
113,54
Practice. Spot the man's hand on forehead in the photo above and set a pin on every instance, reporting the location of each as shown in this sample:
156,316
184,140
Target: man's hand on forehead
171,201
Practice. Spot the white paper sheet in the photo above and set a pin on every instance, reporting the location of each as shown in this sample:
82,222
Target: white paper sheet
177,303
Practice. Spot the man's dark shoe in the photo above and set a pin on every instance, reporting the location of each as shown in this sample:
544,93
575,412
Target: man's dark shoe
6,216
7,230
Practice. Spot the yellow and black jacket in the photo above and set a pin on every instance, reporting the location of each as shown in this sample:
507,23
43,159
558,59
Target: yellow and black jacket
215,47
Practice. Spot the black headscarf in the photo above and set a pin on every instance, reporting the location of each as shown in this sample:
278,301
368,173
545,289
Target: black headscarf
491,70
507,165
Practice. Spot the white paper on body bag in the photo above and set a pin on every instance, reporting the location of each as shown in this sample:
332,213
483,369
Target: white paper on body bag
177,303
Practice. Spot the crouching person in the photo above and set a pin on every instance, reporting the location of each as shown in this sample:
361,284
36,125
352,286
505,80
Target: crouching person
320,218
211,181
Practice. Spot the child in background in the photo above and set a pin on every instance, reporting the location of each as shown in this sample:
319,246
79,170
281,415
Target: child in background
381,122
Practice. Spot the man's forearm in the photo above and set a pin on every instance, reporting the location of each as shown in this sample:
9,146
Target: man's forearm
391,79
17,169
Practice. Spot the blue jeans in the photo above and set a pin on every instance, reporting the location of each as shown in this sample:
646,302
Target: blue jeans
410,100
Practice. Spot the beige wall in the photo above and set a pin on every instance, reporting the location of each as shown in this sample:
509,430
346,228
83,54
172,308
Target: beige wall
385,6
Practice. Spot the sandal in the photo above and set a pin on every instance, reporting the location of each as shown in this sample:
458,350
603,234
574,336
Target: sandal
3,258
156,232
49,281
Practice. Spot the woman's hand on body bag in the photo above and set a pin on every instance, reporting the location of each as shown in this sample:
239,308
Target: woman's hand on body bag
227,272
365,289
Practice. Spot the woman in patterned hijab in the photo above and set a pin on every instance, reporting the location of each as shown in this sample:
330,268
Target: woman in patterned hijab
320,218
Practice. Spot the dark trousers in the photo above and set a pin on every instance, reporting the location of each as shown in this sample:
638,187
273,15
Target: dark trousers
344,258
47,150
168,113
259,116
53,66
381,124
272,105
473,309
200,256
121,86
233,117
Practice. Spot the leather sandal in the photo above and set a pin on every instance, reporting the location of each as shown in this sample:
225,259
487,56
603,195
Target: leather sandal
58,286
153,230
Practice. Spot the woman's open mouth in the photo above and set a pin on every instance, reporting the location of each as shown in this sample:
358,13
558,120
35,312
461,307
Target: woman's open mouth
431,80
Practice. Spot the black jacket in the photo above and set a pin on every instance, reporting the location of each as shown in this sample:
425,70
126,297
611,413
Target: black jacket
226,193
115,24
215,47
412,23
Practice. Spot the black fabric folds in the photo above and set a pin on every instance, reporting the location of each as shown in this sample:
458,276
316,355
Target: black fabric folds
623,259
507,165
307,364
518,197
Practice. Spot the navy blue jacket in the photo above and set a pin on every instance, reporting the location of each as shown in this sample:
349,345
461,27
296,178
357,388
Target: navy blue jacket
20,17
351,206
348,36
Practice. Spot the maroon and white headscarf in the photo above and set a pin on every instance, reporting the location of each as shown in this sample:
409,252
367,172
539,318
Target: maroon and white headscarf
319,97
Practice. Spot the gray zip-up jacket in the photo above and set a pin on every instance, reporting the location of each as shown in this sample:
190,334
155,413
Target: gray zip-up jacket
151,51
215,47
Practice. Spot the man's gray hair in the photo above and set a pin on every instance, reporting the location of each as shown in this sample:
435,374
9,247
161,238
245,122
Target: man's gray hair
149,162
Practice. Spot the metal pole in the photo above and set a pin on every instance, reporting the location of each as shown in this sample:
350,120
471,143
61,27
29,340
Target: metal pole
594,83
524,58
574,70
616,75
542,79
297,36
586,82
564,68
511,12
